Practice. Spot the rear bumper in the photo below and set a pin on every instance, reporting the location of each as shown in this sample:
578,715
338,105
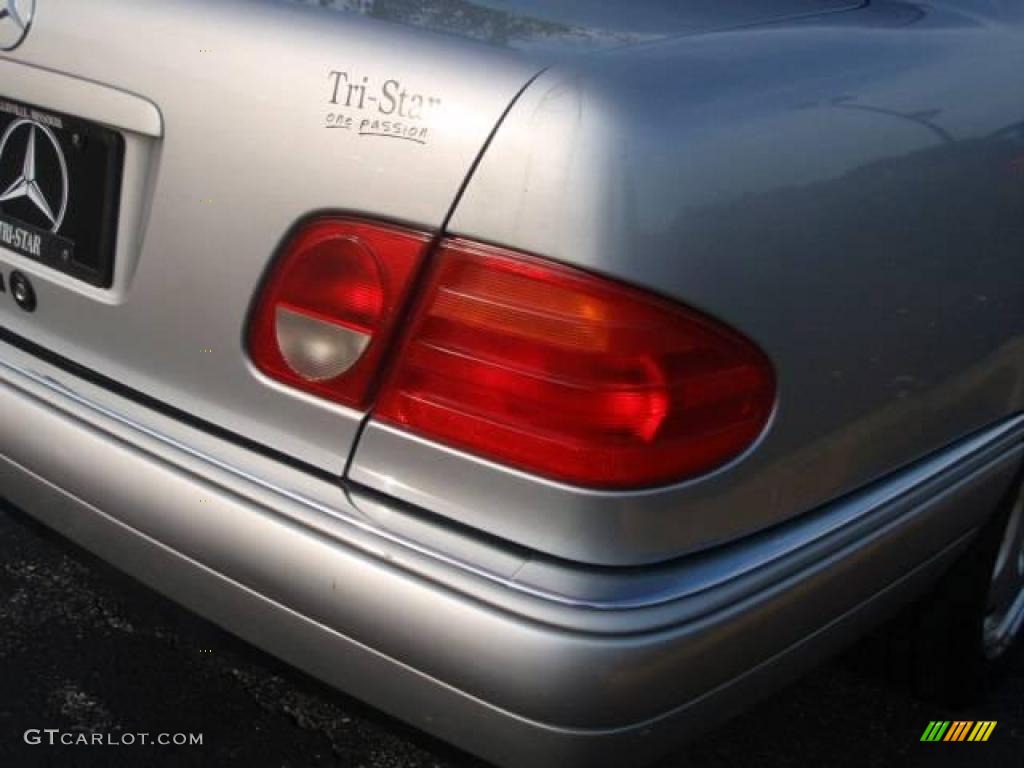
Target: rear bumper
523,662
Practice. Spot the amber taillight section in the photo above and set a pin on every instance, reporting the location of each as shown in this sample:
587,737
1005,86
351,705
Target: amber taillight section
572,376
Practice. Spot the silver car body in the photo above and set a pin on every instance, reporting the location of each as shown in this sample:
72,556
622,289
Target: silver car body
843,183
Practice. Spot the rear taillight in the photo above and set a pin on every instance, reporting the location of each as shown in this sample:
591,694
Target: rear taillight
529,363
328,308
572,376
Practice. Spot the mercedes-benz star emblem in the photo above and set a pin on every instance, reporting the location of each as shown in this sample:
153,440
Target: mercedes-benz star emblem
15,19
49,199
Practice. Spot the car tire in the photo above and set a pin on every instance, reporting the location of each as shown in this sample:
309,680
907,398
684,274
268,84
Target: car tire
969,626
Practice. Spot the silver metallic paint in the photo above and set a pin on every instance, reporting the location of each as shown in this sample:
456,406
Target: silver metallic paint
556,672
243,155
220,110
431,703
570,28
841,189
784,177
383,528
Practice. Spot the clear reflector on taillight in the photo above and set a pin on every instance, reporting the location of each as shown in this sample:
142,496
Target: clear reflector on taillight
572,376
328,308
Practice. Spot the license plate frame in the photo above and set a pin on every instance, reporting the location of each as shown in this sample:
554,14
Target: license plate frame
60,190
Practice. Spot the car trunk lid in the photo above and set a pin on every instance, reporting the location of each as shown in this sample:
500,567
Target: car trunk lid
239,120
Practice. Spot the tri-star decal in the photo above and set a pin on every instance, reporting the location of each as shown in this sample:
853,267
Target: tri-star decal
52,206
11,11
26,184
15,18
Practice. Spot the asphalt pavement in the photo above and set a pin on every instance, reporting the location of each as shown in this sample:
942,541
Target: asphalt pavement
91,653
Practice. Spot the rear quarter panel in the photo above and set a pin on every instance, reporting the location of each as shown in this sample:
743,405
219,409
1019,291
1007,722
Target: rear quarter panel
846,190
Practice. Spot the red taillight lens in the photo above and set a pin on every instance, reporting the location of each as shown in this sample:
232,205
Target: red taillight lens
571,376
328,309
555,371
